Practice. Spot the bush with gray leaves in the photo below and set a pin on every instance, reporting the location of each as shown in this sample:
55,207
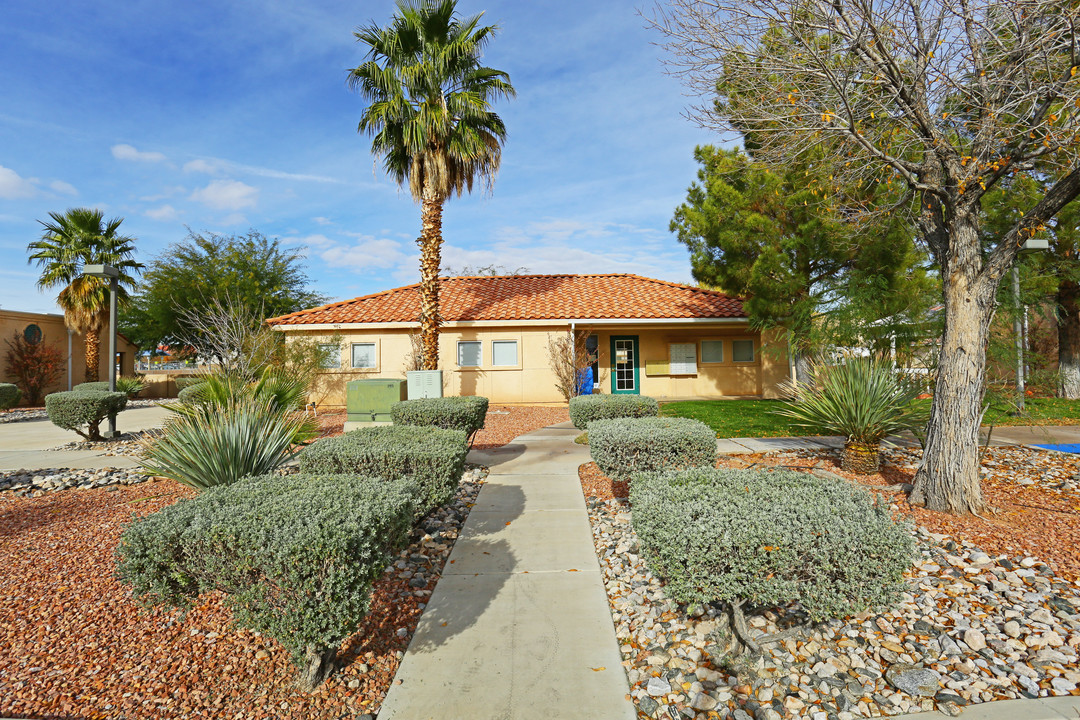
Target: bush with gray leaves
625,446
586,408
83,410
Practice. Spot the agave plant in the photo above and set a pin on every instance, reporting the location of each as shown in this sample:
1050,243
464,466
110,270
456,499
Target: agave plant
862,399
130,386
211,444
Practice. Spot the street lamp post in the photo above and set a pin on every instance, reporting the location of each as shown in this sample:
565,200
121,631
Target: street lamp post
108,271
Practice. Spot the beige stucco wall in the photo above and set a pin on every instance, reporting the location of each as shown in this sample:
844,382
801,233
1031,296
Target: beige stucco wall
532,381
54,332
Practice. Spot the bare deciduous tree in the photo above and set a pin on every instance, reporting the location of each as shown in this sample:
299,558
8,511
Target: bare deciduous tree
947,98
569,357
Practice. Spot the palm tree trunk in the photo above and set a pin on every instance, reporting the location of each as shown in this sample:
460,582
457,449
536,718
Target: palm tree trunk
93,354
430,242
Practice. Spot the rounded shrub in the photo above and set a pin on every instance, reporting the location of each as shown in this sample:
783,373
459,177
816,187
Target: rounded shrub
433,457
102,386
83,410
449,413
10,395
190,394
625,446
296,555
770,538
183,382
586,408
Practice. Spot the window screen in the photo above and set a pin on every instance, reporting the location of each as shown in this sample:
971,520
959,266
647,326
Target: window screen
712,351
468,353
331,356
742,350
504,353
363,355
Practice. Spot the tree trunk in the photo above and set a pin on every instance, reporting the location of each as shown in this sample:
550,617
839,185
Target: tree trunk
948,478
861,458
93,354
1068,306
318,665
430,242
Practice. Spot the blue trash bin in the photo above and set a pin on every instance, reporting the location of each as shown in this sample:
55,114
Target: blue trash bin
585,381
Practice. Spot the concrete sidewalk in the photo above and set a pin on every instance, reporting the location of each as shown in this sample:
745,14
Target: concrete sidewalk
518,626
26,444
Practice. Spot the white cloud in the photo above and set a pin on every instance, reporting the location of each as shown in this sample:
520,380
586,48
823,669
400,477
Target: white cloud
323,221
234,219
202,166
128,152
218,166
12,186
163,213
366,253
318,240
62,187
227,195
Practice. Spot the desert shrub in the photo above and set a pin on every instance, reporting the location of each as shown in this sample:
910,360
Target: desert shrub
449,413
83,410
296,555
770,538
190,394
217,445
183,382
625,446
586,408
435,458
33,366
9,396
96,386
130,386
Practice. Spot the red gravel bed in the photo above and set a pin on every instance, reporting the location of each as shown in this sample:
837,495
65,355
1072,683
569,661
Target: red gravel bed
1025,521
502,424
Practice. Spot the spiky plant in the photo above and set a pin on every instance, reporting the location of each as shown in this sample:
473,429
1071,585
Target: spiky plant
80,237
430,116
214,444
862,399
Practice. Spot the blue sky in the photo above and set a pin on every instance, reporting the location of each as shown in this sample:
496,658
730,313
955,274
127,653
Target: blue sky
229,115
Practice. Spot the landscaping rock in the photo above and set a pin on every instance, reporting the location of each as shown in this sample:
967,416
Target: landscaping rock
915,681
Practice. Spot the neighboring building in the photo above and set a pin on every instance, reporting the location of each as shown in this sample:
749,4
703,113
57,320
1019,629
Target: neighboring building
50,329
652,337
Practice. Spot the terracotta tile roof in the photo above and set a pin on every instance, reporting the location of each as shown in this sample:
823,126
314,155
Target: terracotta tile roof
531,297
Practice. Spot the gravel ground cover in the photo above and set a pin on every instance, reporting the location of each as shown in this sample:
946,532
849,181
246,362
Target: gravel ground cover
975,624
74,644
129,444
38,413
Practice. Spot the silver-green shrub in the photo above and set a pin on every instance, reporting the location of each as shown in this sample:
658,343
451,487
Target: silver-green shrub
433,457
296,555
586,408
97,386
625,446
189,394
10,395
770,538
217,445
183,382
83,410
449,413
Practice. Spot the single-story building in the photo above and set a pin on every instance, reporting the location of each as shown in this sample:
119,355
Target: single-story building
651,337
50,329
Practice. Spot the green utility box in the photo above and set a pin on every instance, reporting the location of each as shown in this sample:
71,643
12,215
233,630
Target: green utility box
370,400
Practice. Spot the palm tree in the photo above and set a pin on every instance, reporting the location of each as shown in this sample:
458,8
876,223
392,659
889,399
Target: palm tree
430,118
70,241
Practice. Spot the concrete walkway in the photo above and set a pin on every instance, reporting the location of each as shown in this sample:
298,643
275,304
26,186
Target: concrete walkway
26,444
518,626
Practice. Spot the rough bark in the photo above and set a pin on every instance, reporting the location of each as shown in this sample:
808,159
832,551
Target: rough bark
948,479
1068,305
93,355
318,665
430,242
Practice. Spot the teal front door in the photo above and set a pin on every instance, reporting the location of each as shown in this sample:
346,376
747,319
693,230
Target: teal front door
625,373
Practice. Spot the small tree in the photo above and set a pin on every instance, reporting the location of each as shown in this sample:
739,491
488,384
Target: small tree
33,366
569,357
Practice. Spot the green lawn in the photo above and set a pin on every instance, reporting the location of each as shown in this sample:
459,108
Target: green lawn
757,418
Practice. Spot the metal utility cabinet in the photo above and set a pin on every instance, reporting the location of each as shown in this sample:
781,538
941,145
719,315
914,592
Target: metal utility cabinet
370,400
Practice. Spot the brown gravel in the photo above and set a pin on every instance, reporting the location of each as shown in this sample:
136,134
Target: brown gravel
73,643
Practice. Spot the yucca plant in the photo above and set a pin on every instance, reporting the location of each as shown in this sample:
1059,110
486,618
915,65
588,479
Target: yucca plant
211,444
862,399
130,386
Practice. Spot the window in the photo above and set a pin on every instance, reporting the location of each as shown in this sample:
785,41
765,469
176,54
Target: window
504,353
363,356
331,356
469,353
712,351
592,347
742,350
683,359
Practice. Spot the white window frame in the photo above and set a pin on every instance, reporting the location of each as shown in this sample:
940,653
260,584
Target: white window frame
374,355
335,357
753,351
480,360
723,353
517,353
